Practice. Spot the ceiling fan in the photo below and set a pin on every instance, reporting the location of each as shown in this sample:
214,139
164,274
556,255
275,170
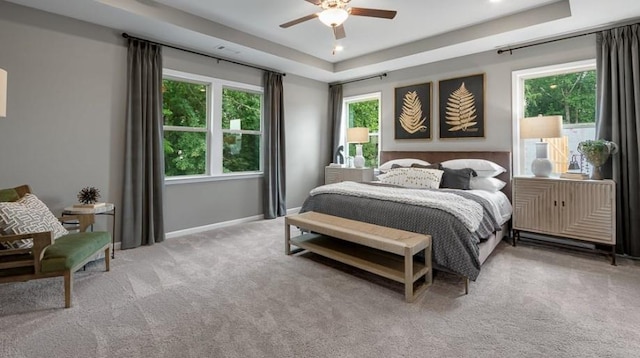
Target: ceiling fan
335,12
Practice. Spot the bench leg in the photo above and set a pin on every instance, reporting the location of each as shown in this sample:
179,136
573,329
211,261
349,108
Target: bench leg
287,237
107,259
68,285
408,275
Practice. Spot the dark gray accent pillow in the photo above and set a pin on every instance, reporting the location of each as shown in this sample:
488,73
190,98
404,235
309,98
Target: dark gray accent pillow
457,178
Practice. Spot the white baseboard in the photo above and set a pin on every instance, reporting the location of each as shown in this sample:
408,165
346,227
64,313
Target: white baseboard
199,229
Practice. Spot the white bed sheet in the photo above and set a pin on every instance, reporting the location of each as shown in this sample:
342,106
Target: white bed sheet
502,208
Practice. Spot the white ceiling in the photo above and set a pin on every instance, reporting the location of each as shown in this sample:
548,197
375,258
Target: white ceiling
423,31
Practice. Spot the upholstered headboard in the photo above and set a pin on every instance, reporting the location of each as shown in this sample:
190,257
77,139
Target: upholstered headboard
501,158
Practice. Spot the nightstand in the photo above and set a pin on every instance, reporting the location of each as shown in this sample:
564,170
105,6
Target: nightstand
583,210
338,174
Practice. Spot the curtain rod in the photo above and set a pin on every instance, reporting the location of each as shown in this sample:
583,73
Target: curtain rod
511,49
359,79
127,36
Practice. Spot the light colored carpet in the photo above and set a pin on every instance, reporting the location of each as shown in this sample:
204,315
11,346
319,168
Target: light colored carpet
233,293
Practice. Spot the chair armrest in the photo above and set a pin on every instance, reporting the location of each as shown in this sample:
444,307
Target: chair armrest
41,240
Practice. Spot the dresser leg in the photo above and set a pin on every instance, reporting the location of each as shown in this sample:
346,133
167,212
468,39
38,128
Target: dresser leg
613,255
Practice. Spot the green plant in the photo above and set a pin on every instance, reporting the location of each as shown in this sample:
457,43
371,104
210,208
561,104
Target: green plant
597,151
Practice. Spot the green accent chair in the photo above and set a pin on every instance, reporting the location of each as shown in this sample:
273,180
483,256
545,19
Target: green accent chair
48,257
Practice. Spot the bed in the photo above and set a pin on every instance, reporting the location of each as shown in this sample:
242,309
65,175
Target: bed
456,247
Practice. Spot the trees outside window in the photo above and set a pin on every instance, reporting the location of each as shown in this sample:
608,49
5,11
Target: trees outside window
567,90
364,111
211,127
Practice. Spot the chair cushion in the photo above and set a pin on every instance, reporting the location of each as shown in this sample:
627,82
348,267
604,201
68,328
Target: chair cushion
8,195
28,215
72,249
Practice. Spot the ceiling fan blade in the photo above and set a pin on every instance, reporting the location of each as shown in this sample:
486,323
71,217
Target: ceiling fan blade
385,14
315,2
297,21
338,32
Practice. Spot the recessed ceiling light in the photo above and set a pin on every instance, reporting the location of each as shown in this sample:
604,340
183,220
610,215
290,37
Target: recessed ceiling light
495,0
337,48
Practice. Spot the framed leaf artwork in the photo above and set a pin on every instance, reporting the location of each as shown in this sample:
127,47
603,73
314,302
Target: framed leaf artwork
413,112
461,107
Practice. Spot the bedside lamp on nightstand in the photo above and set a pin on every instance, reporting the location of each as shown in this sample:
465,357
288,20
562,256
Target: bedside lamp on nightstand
358,135
541,127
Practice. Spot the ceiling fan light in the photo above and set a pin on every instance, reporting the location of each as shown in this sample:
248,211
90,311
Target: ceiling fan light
333,17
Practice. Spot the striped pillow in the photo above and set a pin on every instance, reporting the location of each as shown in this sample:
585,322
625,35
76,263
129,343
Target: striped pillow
27,215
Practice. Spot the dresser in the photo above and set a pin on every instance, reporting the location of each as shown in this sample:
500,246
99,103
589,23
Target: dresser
583,210
338,174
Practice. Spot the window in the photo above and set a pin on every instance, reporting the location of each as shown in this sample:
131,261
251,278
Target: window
568,90
212,128
364,111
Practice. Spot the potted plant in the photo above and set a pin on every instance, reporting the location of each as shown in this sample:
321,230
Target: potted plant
597,153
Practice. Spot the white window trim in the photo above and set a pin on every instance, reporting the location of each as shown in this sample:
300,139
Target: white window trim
517,97
214,155
345,120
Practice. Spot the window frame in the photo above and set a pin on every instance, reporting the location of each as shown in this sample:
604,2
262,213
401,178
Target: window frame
517,100
214,137
345,121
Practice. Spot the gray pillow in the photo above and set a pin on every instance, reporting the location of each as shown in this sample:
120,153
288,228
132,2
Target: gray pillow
457,178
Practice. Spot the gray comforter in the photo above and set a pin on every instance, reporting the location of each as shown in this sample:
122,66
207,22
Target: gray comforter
455,248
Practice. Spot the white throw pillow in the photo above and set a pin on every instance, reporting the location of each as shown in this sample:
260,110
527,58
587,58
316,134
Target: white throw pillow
28,215
405,162
487,184
484,168
413,178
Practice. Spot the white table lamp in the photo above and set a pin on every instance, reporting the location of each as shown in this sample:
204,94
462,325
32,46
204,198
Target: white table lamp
541,127
358,135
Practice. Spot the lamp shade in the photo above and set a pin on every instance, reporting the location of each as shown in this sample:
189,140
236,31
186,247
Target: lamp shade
358,135
333,17
541,127
3,93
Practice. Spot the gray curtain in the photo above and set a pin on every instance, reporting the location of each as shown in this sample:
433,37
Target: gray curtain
335,113
142,216
618,69
274,194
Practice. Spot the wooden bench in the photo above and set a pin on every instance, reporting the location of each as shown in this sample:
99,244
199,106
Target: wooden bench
377,249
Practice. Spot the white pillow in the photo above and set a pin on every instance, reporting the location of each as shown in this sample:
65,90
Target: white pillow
413,178
487,184
405,162
484,168
28,215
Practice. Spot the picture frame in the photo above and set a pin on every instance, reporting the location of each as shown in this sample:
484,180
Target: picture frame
461,107
412,111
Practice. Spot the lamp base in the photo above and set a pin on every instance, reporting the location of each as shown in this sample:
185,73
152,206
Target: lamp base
358,160
542,166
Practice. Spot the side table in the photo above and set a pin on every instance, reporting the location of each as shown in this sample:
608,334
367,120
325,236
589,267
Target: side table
87,217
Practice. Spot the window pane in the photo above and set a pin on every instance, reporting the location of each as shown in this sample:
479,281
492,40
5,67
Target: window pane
184,104
572,96
241,153
185,153
240,110
364,114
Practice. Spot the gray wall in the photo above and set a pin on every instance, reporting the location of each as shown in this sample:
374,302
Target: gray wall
64,128
497,70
